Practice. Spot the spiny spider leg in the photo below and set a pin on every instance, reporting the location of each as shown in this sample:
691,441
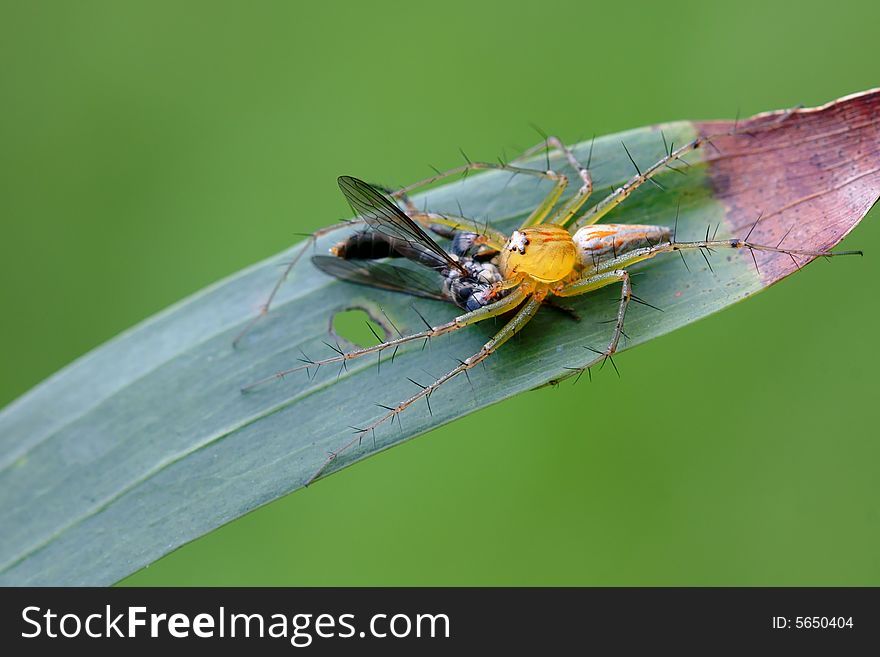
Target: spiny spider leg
591,283
619,195
500,307
638,255
522,317
563,215
307,244
613,270
623,192
492,238
537,215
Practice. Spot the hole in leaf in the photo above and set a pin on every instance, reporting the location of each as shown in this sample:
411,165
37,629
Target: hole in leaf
352,325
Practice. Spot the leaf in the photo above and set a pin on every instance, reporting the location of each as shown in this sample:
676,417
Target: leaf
146,442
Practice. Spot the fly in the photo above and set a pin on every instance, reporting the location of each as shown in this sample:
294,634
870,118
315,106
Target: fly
465,275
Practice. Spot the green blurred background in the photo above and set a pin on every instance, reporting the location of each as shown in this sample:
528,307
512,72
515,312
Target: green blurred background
149,148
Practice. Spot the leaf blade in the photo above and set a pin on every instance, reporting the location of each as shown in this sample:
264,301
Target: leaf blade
146,443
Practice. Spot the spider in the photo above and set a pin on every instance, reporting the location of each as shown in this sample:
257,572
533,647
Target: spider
555,252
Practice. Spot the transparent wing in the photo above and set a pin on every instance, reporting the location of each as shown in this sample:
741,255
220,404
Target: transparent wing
385,217
383,275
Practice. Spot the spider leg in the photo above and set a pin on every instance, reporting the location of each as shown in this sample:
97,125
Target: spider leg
537,215
591,283
307,244
522,317
500,307
492,238
614,270
623,192
707,246
564,214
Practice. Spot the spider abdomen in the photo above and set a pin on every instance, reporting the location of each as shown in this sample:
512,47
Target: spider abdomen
600,242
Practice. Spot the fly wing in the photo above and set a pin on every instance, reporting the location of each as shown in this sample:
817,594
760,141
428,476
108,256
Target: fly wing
385,217
383,275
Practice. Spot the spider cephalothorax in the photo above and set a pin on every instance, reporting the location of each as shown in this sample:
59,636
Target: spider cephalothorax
542,254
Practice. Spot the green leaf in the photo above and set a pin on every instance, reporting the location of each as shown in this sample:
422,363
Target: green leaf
147,443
